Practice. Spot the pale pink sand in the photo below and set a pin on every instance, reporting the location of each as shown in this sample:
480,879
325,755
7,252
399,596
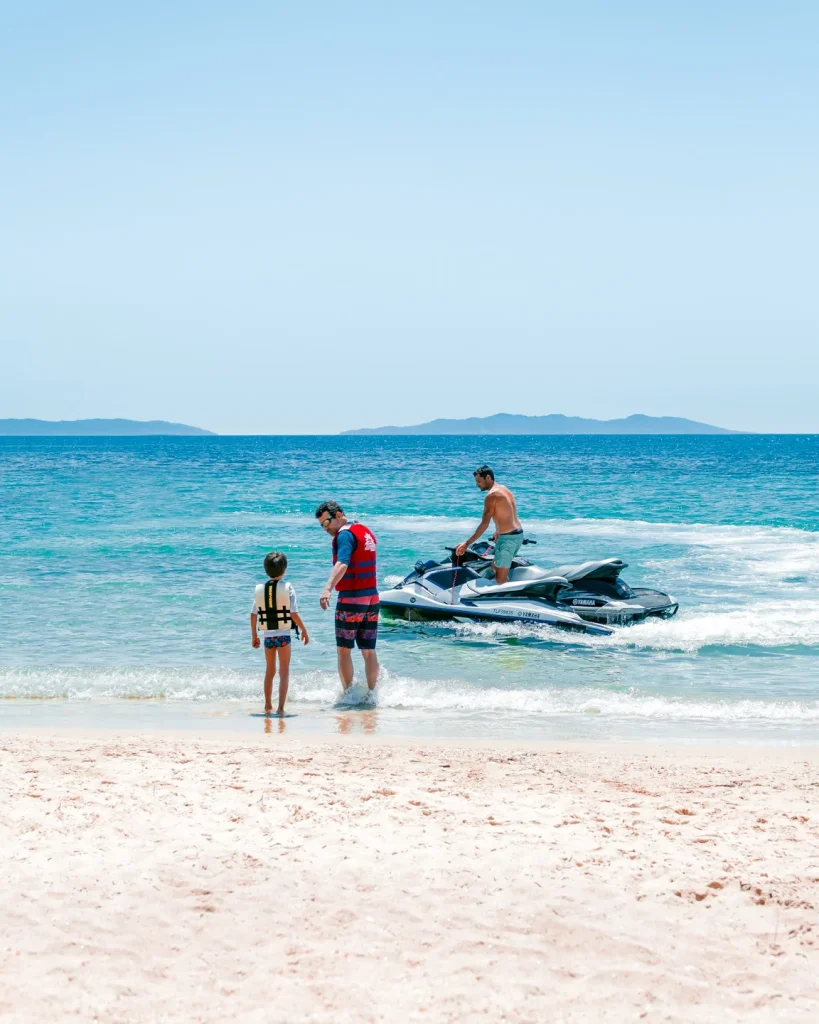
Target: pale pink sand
188,879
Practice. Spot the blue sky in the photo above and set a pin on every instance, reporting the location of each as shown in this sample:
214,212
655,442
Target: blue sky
265,218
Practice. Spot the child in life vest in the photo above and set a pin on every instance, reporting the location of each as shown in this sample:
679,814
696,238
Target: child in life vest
275,616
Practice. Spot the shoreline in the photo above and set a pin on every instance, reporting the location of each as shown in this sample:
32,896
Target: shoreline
274,733
313,721
288,877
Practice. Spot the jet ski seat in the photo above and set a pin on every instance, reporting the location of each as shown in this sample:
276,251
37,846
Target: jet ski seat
607,569
544,585
531,572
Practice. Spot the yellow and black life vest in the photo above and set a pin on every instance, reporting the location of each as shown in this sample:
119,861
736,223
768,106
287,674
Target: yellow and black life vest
273,606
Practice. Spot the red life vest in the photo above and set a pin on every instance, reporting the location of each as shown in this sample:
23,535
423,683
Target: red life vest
360,573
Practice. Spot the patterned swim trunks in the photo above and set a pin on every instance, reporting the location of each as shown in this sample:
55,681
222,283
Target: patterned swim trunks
277,641
357,621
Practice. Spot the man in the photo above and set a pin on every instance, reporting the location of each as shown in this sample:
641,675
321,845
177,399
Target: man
355,579
499,505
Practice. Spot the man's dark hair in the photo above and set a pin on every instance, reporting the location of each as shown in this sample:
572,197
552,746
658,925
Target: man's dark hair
484,471
331,507
275,563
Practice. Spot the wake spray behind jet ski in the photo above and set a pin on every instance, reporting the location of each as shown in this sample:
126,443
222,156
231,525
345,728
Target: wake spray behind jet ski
589,596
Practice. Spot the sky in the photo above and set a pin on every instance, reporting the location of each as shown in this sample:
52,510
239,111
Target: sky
303,218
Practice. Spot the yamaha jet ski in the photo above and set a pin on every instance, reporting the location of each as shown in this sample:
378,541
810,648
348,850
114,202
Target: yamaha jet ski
456,589
589,596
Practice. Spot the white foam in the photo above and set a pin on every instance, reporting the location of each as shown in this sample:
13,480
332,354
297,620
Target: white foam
449,525
449,695
195,684
695,534
395,692
762,624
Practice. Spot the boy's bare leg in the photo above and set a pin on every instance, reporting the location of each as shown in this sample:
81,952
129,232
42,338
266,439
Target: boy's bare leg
345,666
269,672
284,676
371,667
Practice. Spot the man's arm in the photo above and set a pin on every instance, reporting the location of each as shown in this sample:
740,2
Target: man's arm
338,571
482,526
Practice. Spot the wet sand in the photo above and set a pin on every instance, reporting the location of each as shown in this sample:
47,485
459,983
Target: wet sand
220,878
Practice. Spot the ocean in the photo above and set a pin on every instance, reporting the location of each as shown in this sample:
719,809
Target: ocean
127,568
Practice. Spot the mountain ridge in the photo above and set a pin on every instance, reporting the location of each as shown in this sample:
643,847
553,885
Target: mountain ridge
97,428
553,423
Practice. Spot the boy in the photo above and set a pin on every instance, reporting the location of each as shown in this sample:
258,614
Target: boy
276,610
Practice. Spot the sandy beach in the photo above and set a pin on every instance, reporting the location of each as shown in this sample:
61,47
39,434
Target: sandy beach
189,878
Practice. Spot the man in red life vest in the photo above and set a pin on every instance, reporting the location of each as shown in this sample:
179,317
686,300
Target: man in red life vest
355,579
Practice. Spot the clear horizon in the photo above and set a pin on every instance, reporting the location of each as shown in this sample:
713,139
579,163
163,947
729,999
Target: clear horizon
729,431
261,220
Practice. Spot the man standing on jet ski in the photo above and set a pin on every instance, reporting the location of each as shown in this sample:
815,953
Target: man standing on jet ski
499,505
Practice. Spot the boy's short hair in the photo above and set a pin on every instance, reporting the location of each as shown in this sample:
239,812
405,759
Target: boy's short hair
484,471
275,563
331,507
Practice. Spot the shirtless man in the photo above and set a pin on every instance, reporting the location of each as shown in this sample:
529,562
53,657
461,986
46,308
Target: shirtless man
499,505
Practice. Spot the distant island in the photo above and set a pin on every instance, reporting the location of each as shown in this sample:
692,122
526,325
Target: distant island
95,428
506,423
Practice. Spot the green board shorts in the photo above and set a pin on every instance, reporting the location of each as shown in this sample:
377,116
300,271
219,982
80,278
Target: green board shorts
506,547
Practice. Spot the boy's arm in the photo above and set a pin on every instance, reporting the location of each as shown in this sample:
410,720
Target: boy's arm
305,636
254,636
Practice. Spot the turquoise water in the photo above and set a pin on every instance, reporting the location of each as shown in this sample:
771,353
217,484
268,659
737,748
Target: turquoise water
127,569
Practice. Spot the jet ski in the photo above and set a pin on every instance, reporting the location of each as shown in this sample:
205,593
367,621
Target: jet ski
459,589
588,597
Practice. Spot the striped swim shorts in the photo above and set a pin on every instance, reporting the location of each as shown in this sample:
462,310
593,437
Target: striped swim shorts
357,621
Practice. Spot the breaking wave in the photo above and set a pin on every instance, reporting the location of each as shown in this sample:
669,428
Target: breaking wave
764,624
397,692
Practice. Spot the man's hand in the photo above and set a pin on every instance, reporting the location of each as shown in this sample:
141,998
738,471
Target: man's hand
324,600
255,641
460,550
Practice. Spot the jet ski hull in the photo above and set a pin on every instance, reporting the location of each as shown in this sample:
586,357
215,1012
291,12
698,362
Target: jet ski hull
409,604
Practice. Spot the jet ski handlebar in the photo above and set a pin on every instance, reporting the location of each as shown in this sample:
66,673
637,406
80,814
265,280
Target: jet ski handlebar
482,551
489,543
